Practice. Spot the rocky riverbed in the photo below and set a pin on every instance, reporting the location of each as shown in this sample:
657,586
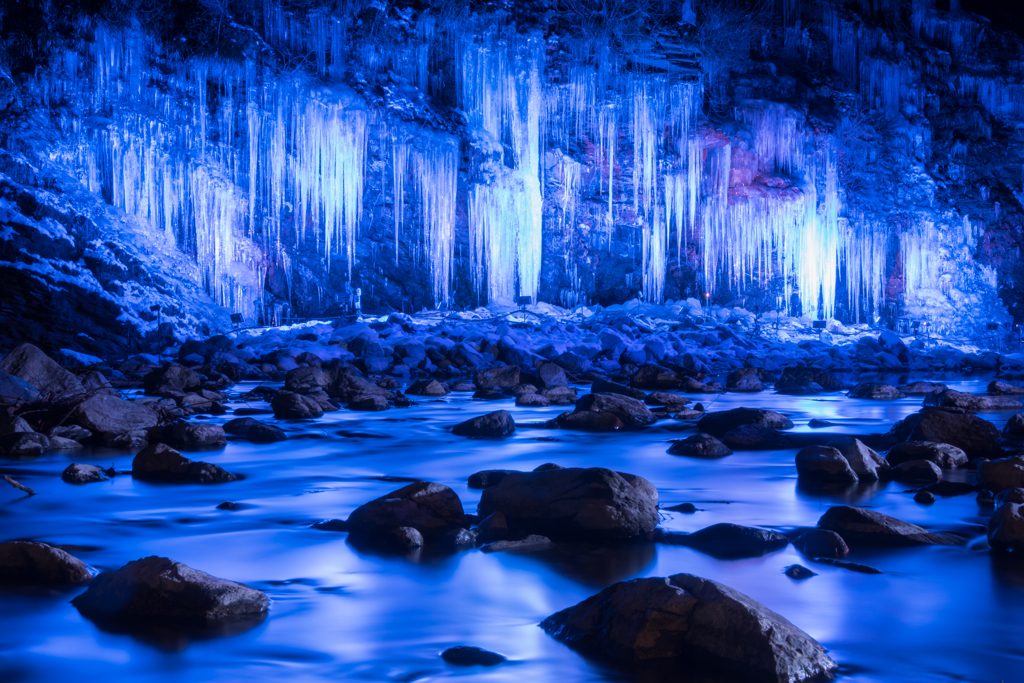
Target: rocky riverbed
353,500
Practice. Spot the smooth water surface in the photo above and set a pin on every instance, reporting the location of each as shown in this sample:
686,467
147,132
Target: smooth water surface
337,613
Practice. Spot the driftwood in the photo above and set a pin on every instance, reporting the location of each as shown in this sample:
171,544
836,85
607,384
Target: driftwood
19,486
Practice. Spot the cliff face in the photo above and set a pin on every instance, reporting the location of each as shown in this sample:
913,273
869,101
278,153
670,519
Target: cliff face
857,160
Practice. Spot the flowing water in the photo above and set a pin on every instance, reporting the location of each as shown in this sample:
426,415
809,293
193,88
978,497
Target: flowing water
338,613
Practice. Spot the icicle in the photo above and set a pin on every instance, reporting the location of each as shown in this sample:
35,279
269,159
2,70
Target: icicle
655,246
436,169
399,169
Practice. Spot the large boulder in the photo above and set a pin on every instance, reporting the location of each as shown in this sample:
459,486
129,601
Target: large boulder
104,413
432,509
502,377
427,387
732,541
159,588
1006,529
1000,388
698,622
721,422
24,444
803,381
864,461
309,378
28,363
744,380
632,412
824,464
945,455
28,562
574,503
972,402
653,376
1004,473
348,384
875,391
160,462
700,445
498,423
176,377
291,406
15,390
551,375
976,437
860,527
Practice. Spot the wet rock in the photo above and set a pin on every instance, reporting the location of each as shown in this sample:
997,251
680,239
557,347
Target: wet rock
176,377
744,380
860,527
691,620
944,455
532,401
718,423
574,504
632,412
30,562
493,527
28,363
798,572
653,376
159,588
292,406
998,387
531,542
14,425
965,401
15,390
976,437
693,386
485,478
733,541
606,386
688,414
193,436
58,443
228,505
77,473
128,441
254,430
501,377
73,432
803,381
922,388
427,387
551,375
670,401
106,413
430,508
368,403
865,462
821,543
24,445
464,655
1005,529
754,438
1004,473
917,471
307,378
852,566
496,424
404,539
489,394
1014,428
924,497
815,423
560,396
824,464
160,462
875,391
589,421
685,508
1015,495
700,446
458,539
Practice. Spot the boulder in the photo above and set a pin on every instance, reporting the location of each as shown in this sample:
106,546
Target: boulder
501,377
498,423
532,401
106,413
755,438
732,541
972,402
945,455
864,461
632,412
551,375
574,503
427,387
998,387
292,406
821,543
348,384
370,403
77,473
24,444
485,478
824,464
159,588
588,421
30,562
744,380
306,378
1015,495
702,446
192,436
559,396
695,621
254,430
656,377
875,391
917,472
177,377
1005,529
1002,474
922,388
976,437
15,390
606,386
867,528
663,398
721,422
1014,428
28,363
803,381
159,462
429,508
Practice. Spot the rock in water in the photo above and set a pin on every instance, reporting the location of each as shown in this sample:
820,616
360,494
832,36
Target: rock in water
289,406
801,381
719,423
631,411
821,543
744,380
875,391
917,471
867,528
159,462
171,377
159,588
501,377
498,423
28,562
77,473
193,436
254,430
865,462
976,437
1000,475
824,464
104,413
574,503
695,621
28,363
732,541
945,455
1005,529
798,572
431,509
465,655
700,445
